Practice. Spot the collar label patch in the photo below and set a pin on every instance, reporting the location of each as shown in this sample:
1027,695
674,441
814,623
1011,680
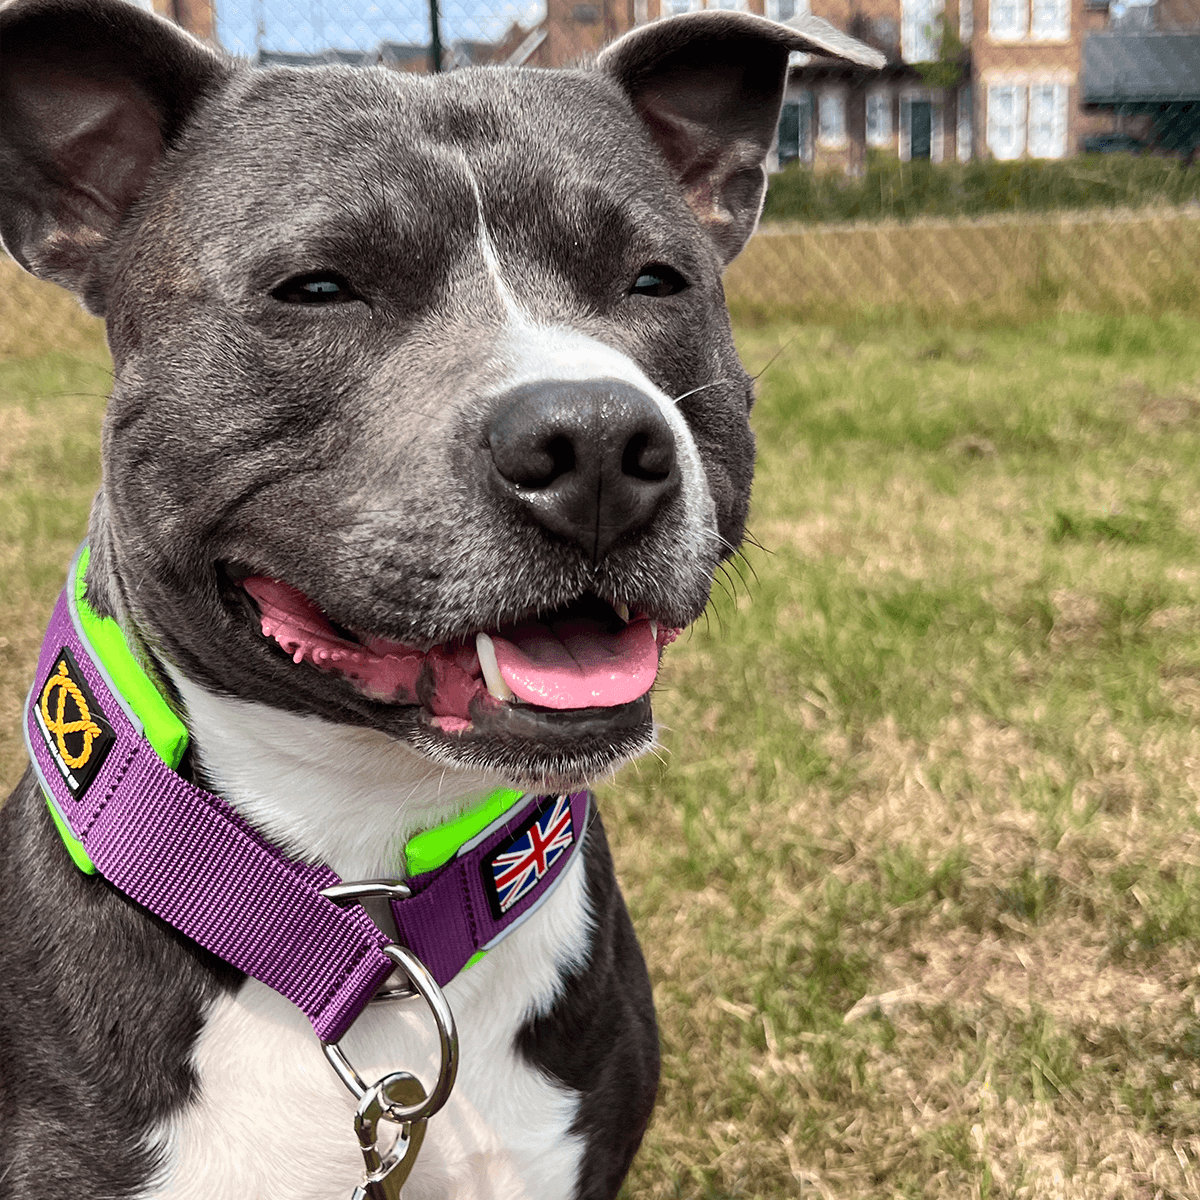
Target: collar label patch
518,864
72,724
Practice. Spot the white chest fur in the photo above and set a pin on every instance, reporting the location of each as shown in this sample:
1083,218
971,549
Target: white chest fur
271,1120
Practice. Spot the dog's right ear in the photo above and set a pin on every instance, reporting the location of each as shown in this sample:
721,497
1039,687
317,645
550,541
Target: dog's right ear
92,92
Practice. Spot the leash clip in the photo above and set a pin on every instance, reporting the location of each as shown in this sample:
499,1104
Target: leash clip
387,1175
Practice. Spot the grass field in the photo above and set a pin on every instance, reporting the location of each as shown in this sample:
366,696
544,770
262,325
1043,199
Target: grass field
918,870
960,271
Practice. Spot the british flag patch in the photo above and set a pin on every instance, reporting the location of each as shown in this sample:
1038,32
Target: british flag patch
520,863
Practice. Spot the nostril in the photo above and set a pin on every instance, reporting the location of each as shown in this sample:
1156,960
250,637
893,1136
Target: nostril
528,449
533,463
647,458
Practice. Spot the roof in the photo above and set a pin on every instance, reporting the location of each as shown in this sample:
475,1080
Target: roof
1141,67
397,52
324,58
825,38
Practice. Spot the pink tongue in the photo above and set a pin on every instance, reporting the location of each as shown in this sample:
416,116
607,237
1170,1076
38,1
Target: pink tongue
574,664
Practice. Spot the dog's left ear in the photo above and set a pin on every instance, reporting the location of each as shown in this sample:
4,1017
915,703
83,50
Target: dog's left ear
709,86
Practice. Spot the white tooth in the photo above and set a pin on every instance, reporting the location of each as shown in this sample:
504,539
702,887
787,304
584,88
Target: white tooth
622,611
654,630
486,649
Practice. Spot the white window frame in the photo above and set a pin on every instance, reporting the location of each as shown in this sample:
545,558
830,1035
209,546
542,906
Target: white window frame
831,132
1047,136
1050,20
879,102
1008,20
919,29
1007,109
965,125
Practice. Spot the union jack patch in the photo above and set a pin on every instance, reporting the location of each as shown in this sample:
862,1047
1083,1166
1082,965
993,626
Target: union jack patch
519,863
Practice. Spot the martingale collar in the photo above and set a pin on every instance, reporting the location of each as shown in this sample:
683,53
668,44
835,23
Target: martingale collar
104,744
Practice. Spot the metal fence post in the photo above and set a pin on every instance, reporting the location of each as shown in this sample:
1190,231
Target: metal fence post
435,38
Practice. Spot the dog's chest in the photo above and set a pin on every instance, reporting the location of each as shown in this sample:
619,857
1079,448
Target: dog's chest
272,1120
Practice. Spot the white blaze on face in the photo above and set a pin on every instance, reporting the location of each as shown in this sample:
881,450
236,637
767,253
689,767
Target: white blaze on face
533,352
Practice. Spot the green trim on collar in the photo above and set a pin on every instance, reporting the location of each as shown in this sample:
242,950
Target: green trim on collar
141,699
163,729
439,845
79,856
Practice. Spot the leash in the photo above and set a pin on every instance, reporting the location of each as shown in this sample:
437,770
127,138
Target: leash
105,746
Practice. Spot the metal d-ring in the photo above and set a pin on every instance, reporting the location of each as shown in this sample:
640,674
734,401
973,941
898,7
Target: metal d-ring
373,889
367,889
427,988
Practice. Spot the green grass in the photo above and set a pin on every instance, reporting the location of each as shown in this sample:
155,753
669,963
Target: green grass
899,191
937,744
918,869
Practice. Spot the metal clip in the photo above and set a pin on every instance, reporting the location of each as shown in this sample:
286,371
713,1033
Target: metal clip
387,1175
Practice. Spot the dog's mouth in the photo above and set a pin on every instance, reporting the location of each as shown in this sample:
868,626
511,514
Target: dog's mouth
552,670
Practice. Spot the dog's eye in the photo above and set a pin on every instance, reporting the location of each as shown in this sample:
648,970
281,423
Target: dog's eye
319,287
657,279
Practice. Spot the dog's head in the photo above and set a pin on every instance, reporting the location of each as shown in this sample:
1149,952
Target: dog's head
401,361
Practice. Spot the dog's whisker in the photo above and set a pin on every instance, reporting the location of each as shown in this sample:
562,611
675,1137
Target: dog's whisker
771,360
701,388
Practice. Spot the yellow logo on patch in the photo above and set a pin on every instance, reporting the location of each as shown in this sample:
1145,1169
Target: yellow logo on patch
60,688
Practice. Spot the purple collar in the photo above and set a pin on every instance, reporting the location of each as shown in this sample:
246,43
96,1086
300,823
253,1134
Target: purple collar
188,857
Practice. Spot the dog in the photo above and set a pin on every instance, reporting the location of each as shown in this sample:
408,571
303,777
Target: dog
426,437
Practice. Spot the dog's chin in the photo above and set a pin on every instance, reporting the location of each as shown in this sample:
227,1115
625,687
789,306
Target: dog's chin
544,750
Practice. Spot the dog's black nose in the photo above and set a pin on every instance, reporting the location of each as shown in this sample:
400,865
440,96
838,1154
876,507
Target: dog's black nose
589,459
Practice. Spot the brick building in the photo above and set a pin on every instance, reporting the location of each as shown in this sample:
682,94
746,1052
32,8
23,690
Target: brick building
1004,79
964,78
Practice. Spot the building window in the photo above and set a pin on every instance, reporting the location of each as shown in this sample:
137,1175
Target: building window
879,119
1007,18
919,33
1051,19
963,129
795,130
966,21
738,5
1048,120
831,118
785,10
788,147
1006,120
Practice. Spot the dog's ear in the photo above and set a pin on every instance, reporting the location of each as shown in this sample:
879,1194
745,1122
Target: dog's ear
92,92
709,86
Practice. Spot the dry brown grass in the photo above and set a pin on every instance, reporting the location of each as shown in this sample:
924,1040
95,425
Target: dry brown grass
1009,267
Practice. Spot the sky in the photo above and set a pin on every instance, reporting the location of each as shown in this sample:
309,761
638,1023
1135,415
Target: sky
310,25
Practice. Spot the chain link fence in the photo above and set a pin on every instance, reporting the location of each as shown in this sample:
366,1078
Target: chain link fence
1001,79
